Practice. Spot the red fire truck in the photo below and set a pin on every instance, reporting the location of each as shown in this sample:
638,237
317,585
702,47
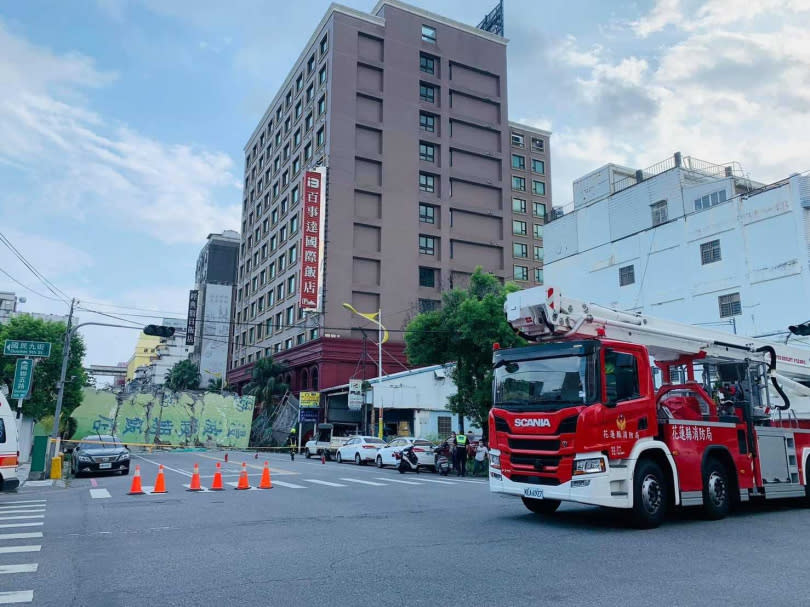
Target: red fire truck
625,410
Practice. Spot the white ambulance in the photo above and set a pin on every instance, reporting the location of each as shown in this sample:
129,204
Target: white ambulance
9,447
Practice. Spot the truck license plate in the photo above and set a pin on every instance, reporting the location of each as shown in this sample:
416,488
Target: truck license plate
536,493
104,466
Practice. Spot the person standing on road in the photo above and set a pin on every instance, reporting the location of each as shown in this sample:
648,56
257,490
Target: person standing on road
453,457
461,454
481,452
292,444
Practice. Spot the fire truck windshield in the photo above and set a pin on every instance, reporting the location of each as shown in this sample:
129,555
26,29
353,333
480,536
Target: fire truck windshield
546,384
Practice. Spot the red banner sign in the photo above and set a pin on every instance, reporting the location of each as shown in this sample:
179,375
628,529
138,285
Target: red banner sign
311,249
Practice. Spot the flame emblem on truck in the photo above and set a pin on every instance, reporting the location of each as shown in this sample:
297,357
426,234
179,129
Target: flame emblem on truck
621,422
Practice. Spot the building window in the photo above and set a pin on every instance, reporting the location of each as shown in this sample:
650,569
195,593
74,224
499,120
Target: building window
538,187
538,230
322,106
428,34
295,195
710,252
709,200
299,109
518,205
520,272
428,305
520,249
427,183
293,255
538,145
427,152
730,305
288,99
539,209
427,93
311,64
427,245
274,217
427,122
659,212
518,183
517,140
310,92
272,270
271,300
308,151
538,253
538,275
427,64
538,166
627,276
319,138
309,122
293,225
518,162
427,277
322,75
427,213
297,138
444,426
291,284
324,45
519,227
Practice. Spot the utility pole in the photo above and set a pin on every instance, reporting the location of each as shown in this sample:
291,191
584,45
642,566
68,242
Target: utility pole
61,394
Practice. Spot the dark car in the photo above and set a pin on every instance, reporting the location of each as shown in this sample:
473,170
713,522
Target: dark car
100,453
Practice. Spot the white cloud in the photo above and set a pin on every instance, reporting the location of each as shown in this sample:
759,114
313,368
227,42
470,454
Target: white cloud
86,164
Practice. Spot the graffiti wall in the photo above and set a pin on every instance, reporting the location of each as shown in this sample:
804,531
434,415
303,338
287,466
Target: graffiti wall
182,418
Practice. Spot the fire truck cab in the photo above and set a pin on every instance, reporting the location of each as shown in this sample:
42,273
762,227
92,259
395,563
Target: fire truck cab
578,417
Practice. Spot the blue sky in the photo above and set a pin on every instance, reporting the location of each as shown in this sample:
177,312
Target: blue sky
122,121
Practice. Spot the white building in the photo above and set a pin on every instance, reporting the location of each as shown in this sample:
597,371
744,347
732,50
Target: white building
169,352
687,240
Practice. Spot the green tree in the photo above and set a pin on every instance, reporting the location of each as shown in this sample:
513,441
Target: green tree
265,382
184,375
463,331
215,384
42,398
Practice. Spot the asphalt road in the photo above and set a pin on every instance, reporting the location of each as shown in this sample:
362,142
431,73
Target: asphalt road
323,538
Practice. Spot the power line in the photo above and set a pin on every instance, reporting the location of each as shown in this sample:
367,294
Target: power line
27,288
50,286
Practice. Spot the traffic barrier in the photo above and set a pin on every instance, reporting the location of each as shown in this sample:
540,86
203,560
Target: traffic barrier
266,483
243,478
136,488
160,481
56,468
216,484
194,485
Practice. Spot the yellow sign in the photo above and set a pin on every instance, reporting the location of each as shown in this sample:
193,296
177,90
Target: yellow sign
309,399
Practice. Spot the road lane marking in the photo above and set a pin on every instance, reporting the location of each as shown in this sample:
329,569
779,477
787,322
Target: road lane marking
21,568
93,482
234,461
393,480
17,596
434,480
99,493
19,536
45,483
17,518
12,549
22,506
288,485
183,472
357,480
22,511
327,483
21,525
22,502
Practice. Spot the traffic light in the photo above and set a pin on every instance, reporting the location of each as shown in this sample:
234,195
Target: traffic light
802,329
158,330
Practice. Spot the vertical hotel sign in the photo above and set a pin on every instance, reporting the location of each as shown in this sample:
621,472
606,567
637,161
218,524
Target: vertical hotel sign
191,320
312,249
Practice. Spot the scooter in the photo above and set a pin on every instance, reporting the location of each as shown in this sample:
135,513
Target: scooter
408,460
441,459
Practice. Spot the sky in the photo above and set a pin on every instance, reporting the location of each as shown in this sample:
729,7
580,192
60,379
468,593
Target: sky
122,122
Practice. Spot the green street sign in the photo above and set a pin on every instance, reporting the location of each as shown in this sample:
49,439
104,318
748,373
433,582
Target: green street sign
38,349
23,373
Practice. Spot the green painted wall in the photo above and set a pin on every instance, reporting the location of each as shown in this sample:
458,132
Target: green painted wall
182,418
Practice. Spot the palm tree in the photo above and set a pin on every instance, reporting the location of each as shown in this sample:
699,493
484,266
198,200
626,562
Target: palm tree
215,385
266,382
184,375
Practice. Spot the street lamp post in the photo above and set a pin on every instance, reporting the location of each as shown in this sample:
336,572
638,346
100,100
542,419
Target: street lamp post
376,318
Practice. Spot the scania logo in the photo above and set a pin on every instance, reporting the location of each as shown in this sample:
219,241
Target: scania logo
526,422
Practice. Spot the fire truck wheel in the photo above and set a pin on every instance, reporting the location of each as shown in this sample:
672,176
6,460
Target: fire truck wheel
716,496
650,495
541,506
807,485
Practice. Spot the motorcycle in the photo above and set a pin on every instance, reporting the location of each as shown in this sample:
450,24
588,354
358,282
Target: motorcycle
408,460
441,459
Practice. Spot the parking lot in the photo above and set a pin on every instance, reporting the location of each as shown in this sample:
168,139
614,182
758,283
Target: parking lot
336,534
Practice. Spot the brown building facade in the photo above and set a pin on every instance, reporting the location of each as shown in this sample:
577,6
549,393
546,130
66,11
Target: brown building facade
407,111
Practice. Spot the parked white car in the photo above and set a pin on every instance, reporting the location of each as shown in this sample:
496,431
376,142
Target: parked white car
387,455
360,449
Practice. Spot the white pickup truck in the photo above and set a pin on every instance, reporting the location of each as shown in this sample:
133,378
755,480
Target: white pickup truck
327,441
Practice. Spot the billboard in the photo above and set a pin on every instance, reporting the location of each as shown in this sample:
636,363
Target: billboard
213,346
308,400
355,394
314,209
191,322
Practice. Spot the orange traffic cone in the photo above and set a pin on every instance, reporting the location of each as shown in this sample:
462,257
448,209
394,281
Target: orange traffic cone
136,483
243,478
160,481
266,483
195,480
216,484
323,457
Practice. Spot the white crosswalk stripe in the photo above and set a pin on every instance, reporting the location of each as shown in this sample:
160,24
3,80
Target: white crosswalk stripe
14,549
99,493
327,483
288,485
394,480
21,502
20,568
16,596
21,507
202,489
18,515
433,480
20,536
8,525
22,511
357,480
17,518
